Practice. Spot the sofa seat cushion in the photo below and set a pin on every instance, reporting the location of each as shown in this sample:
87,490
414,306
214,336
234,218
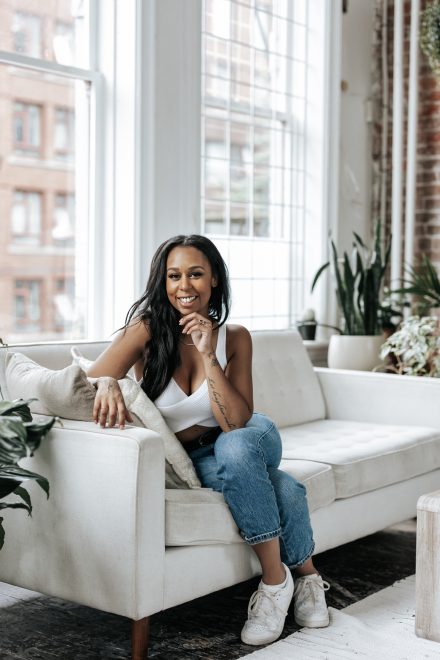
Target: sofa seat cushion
364,456
202,517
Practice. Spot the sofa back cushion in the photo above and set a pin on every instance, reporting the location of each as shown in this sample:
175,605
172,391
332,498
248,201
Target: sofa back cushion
286,387
57,355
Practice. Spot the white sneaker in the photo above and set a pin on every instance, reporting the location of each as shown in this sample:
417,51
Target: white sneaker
267,611
310,607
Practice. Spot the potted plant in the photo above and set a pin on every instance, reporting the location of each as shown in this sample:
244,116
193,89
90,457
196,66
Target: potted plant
430,34
364,310
414,349
20,436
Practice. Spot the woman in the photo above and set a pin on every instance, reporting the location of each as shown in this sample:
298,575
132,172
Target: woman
198,372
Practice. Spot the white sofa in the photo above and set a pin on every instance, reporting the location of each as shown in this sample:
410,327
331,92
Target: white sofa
112,537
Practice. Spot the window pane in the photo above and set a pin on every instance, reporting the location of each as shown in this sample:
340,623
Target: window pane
253,160
43,182
27,125
26,34
56,32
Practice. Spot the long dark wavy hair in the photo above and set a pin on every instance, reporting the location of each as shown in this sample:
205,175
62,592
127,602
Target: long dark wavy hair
154,309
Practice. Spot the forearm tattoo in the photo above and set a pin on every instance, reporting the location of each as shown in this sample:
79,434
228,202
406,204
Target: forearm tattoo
213,358
217,398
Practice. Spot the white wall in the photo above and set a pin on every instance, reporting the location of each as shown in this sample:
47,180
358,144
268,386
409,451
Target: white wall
355,132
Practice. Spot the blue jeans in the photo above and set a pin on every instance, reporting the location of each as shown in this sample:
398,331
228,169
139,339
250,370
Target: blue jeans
265,502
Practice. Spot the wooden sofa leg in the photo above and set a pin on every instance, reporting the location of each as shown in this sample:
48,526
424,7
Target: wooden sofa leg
140,633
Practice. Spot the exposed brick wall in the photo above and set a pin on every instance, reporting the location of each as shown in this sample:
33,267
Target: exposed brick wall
427,225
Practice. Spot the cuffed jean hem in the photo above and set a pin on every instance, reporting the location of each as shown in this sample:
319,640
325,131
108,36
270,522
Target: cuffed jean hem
260,538
303,561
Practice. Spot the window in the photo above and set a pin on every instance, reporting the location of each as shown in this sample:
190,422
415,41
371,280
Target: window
45,104
64,133
27,128
253,154
26,31
26,217
63,229
27,296
65,315
64,43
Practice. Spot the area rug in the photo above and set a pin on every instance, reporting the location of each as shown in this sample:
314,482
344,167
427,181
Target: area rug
35,626
378,627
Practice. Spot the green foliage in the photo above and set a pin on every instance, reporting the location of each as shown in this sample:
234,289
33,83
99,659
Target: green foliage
20,436
359,285
423,283
430,34
414,349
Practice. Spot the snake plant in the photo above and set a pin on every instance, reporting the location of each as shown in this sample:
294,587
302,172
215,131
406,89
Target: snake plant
20,436
359,285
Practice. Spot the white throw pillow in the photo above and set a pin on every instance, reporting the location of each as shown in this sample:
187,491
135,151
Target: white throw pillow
180,472
65,393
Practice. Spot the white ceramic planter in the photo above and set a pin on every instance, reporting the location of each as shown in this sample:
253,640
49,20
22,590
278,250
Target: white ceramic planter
358,352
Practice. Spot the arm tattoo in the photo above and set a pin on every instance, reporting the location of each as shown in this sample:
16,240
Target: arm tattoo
217,398
214,362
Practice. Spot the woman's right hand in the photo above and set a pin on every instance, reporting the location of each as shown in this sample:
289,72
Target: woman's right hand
109,407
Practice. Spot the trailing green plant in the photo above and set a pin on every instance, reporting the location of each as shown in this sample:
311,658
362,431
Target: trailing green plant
359,285
430,34
423,283
20,436
414,349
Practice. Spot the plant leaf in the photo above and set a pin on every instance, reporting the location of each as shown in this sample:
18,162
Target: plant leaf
359,240
18,407
2,534
15,505
318,275
17,473
22,492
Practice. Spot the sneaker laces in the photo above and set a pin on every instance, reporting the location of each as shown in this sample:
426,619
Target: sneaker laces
258,610
315,587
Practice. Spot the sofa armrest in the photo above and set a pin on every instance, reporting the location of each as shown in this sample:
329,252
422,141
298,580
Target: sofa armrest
380,398
99,540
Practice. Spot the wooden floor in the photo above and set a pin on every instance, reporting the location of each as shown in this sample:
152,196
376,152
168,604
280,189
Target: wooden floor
34,627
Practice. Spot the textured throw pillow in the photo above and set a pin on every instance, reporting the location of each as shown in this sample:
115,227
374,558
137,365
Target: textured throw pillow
66,393
180,472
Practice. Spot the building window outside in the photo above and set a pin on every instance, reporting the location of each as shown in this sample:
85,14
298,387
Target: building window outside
27,128
253,156
64,43
64,304
64,134
27,296
26,34
63,228
26,217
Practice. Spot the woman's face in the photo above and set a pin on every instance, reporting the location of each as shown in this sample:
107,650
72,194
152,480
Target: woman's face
189,280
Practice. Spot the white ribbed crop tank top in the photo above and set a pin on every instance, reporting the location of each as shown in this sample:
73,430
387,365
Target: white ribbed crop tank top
180,410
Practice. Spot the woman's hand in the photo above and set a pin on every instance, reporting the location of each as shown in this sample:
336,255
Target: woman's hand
199,328
109,404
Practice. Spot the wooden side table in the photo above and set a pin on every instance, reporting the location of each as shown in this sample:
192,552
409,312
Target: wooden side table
428,567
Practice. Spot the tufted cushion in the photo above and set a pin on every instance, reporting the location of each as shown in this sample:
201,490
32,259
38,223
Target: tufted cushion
364,456
285,385
202,517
